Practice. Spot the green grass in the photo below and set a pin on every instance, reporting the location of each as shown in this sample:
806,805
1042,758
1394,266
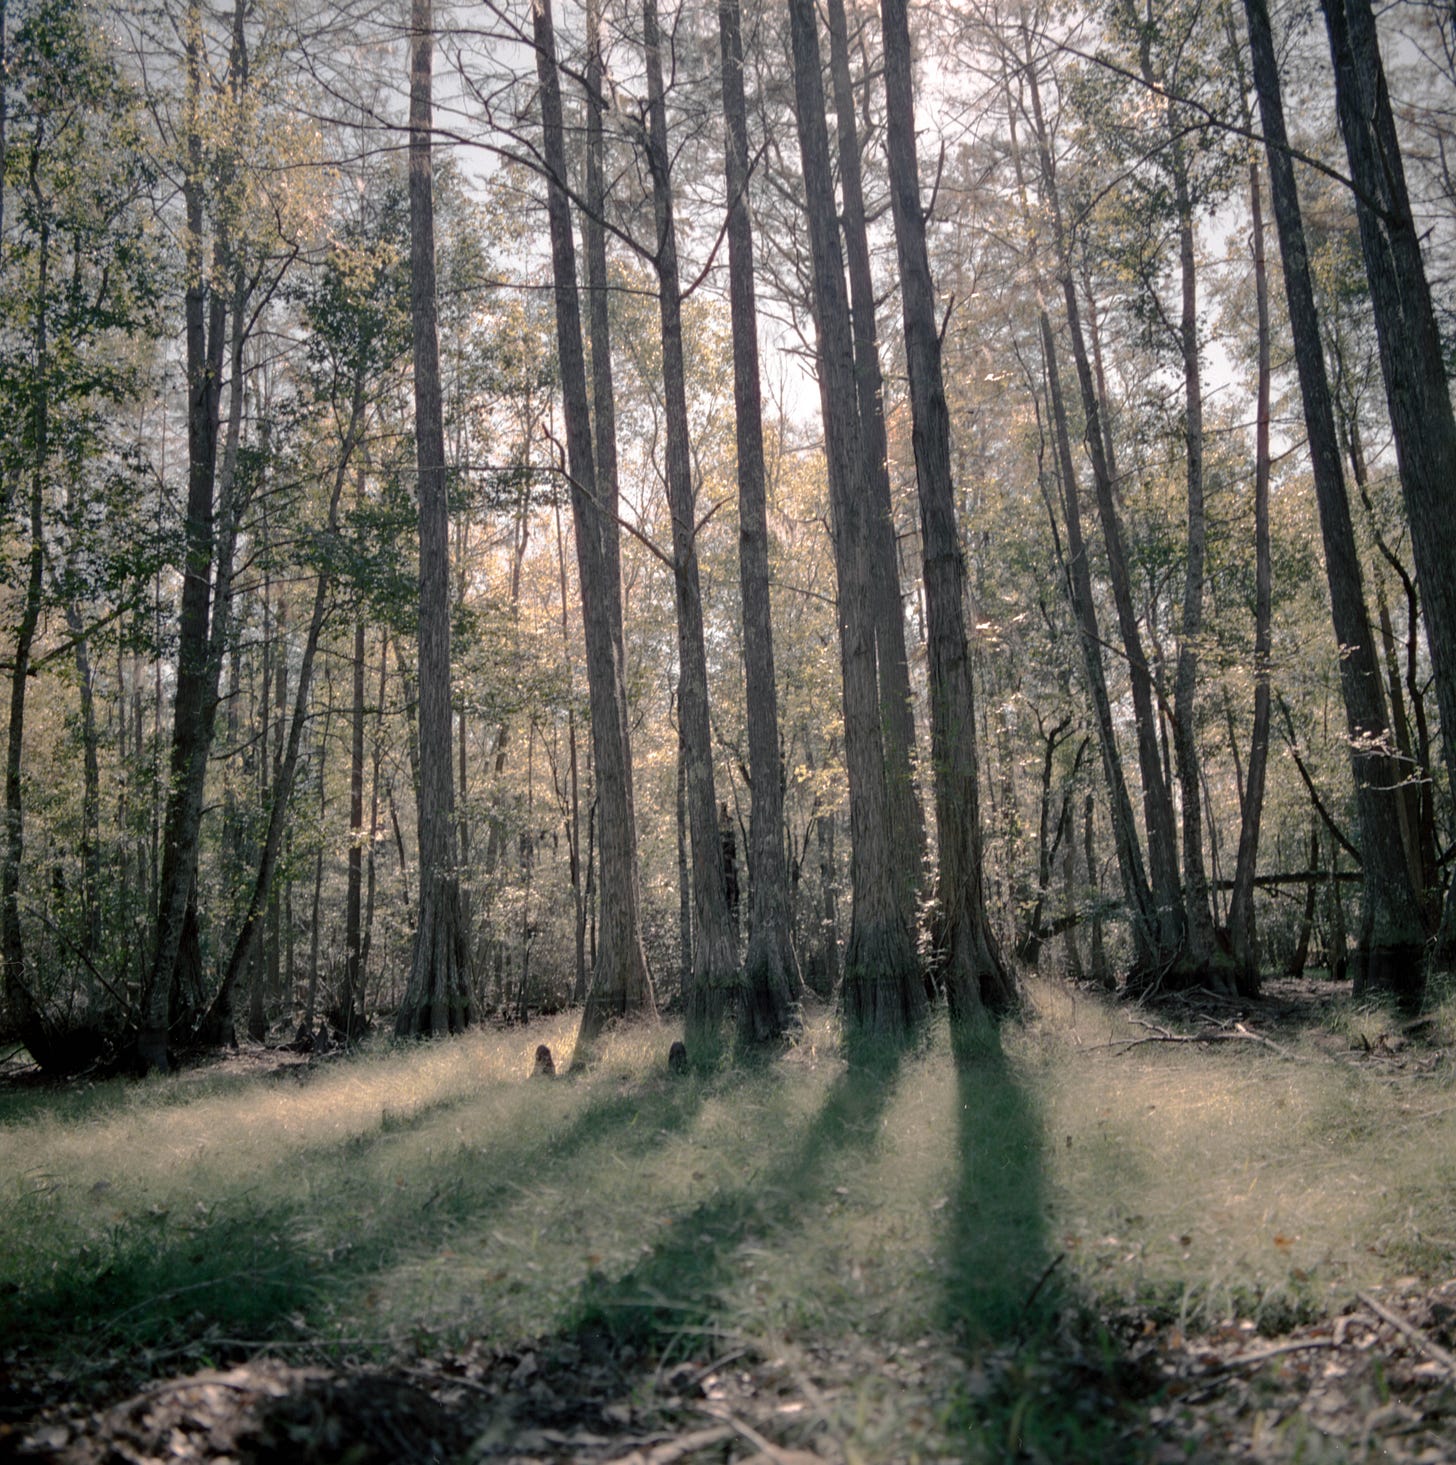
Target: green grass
934,1239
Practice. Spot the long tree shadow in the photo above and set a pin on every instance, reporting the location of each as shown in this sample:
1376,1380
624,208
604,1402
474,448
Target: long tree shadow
1045,1380
677,1291
252,1270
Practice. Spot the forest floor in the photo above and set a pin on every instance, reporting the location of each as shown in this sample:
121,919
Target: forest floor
1192,1231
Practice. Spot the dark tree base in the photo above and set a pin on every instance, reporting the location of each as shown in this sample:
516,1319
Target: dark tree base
1218,973
1395,971
883,994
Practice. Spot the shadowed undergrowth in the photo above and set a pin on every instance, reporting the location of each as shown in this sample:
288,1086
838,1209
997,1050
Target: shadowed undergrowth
940,1232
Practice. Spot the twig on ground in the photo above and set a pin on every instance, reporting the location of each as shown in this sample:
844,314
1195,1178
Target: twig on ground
742,1427
1253,1037
699,1374
670,1452
1239,1033
1423,1341
1276,1350
794,1362
1041,1282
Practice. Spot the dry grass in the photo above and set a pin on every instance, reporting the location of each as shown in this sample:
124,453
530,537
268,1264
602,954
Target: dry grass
1226,1179
421,1196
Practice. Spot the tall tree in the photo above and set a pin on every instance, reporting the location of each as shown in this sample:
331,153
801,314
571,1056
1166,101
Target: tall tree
621,986
881,991
226,290
1196,963
715,956
1391,936
965,945
1166,934
1412,358
897,705
1076,566
437,998
1243,935
769,966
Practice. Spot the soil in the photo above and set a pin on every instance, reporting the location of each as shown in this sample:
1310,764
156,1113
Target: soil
1377,1382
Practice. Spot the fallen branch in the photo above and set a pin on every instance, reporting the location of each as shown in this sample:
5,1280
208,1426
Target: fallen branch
760,1442
1423,1341
677,1449
1275,1350
1239,1033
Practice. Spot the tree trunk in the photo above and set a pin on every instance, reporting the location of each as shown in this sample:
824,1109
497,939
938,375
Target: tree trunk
573,792
1078,579
1416,777
1243,934
315,923
1391,934
770,970
25,1011
621,986
1097,957
1412,363
883,993
1071,894
90,757
437,997
897,705
828,902
684,875
371,873
1198,964
1300,957
210,533
349,1002
218,1025
715,955
1166,927
965,946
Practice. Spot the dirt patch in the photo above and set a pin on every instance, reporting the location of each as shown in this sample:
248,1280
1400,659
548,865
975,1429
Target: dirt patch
262,1411
1376,1383
558,1403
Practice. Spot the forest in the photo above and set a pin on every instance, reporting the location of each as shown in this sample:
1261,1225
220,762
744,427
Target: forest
849,608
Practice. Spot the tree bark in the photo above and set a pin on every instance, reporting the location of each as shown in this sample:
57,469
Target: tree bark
1078,578
965,946
770,969
1391,937
1411,360
1077,581
349,1001
90,754
437,997
897,705
1198,960
1243,932
1197,963
25,1011
715,955
209,532
621,986
882,992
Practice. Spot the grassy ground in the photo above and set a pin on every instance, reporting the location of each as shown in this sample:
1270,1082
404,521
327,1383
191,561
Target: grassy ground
934,1259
